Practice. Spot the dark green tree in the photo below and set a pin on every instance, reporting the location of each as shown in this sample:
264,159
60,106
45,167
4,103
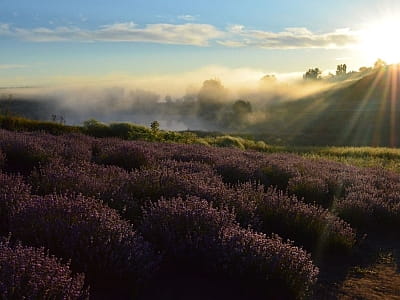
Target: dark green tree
341,70
312,74
155,126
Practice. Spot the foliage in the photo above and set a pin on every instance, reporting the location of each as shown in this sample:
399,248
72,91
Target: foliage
312,74
192,228
192,203
30,273
341,70
13,191
16,123
100,243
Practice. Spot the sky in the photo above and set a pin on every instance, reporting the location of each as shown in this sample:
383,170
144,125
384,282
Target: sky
45,42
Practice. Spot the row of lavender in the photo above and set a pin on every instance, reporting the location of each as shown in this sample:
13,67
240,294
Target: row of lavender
120,209
109,251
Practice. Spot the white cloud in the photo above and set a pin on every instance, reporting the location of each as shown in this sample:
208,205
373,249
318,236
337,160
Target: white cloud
190,34
290,38
185,34
188,18
232,44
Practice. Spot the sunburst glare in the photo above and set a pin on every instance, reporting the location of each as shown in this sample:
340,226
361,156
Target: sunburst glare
381,39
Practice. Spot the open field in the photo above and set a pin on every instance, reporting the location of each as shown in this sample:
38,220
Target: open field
132,215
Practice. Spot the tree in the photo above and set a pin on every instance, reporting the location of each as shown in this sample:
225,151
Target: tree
155,126
379,64
312,74
341,70
241,107
211,99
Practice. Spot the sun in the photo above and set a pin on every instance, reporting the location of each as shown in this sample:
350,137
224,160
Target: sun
382,40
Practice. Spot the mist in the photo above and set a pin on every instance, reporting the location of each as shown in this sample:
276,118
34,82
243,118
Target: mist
209,99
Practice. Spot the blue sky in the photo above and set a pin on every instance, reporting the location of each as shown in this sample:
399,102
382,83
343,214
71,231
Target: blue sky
43,40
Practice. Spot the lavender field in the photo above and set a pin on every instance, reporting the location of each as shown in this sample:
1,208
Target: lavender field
103,218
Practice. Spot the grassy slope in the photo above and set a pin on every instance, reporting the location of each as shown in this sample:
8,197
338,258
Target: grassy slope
358,113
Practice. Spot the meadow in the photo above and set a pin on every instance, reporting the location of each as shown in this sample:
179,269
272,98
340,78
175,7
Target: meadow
107,217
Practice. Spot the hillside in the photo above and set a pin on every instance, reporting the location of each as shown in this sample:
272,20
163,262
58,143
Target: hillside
363,112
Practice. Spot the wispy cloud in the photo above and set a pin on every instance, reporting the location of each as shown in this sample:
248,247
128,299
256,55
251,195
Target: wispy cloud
290,38
8,67
190,34
185,34
189,18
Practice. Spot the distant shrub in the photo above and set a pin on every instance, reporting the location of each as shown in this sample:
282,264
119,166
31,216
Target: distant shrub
95,128
15,123
192,229
228,141
29,273
13,191
91,234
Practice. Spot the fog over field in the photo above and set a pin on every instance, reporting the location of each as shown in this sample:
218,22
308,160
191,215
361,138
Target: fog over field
178,102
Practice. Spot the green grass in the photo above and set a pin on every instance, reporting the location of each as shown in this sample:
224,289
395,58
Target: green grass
388,158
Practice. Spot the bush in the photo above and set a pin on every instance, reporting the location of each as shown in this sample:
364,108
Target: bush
312,227
91,234
228,141
269,264
23,153
373,202
95,128
15,123
13,191
234,168
185,229
128,131
126,155
169,180
30,273
88,179
193,230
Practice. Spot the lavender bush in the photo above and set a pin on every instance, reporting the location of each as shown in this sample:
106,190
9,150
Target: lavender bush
30,273
313,227
23,153
84,230
126,155
13,191
193,230
276,267
86,178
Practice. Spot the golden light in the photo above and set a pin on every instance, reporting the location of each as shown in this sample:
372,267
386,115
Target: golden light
382,40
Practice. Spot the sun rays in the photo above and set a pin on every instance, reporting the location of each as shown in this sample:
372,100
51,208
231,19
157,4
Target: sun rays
380,39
